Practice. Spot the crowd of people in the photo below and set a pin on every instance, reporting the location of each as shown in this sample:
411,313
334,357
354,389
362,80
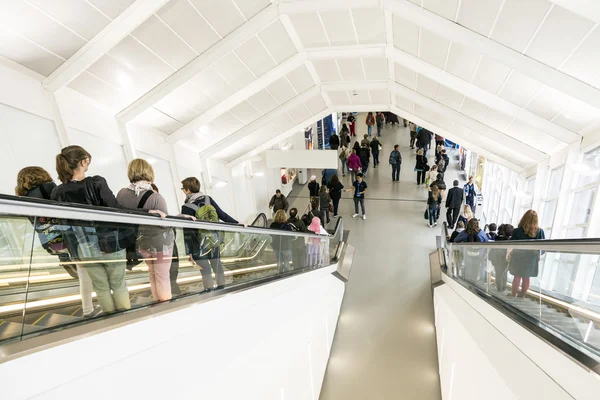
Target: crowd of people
98,254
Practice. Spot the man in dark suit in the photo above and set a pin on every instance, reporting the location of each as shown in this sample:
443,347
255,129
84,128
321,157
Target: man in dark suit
454,201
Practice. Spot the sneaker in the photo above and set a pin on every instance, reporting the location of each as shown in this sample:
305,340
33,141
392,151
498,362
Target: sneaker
96,311
355,215
364,216
435,224
219,287
429,225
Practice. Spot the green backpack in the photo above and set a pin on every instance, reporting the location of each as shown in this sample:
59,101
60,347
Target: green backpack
209,239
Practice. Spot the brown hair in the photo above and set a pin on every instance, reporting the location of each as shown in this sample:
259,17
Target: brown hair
30,178
280,217
473,227
140,170
435,192
68,161
192,184
529,223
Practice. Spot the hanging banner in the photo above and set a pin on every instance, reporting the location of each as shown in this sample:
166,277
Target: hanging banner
327,129
320,134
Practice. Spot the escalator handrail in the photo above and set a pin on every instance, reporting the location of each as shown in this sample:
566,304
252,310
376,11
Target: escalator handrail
259,216
18,206
587,246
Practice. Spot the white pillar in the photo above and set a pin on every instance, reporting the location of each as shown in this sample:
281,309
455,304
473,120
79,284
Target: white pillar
59,123
566,191
541,180
129,150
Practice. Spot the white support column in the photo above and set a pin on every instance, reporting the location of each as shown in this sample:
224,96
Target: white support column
99,45
59,123
205,178
566,192
503,54
130,153
175,174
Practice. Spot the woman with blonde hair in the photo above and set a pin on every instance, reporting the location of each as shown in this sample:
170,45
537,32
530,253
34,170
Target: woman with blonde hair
421,167
466,215
432,175
154,243
524,264
434,200
282,245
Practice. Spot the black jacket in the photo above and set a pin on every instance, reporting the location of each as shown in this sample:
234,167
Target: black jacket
421,164
335,191
334,142
278,203
375,143
423,137
455,197
313,188
440,184
446,162
279,242
44,191
433,201
365,156
297,225
74,192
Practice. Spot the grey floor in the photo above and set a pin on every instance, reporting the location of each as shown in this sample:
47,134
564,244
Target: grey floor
384,346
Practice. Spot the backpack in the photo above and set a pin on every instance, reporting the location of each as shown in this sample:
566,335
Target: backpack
379,119
392,158
306,219
442,166
343,155
208,238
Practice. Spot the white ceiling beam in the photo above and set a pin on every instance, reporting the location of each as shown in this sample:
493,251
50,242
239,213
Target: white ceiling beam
282,136
360,107
491,134
463,141
238,97
260,122
351,51
203,61
307,6
483,96
505,55
99,45
349,86
589,9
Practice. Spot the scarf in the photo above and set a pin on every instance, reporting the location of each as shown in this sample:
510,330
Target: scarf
192,197
139,186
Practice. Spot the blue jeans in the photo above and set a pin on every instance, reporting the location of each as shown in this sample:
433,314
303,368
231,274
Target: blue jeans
344,166
375,158
370,129
379,128
365,167
433,214
395,172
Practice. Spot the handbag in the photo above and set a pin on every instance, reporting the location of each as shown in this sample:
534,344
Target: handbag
426,215
110,239
330,207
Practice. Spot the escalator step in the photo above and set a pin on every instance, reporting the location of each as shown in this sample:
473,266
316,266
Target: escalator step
51,319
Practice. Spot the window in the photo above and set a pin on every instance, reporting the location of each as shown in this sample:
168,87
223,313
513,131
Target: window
590,168
556,176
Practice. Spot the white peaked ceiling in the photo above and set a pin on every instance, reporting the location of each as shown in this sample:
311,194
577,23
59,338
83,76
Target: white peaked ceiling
515,80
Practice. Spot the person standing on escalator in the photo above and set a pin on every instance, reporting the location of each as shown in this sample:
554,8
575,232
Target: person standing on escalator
298,243
154,243
203,245
36,182
524,264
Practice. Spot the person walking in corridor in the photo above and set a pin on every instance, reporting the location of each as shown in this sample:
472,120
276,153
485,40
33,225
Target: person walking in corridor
344,154
354,165
396,163
421,167
379,119
433,203
351,120
335,192
365,158
470,193
375,146
413,134
360,187
454,201
313,188
334,141
370,121
278,202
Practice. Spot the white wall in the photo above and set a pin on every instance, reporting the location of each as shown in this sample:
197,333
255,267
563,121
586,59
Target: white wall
301,159
271,342
484,354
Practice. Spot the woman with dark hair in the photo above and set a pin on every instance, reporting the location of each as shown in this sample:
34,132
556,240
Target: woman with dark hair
498,257
421,167
107,269
282,245
36,182
433,202
344,135
524,264
335,192
474,257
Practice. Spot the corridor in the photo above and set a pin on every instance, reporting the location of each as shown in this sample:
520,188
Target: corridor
384,346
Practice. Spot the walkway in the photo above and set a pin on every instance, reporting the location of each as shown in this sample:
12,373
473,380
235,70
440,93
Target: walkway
384,346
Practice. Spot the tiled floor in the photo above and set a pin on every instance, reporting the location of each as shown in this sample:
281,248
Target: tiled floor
384,346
